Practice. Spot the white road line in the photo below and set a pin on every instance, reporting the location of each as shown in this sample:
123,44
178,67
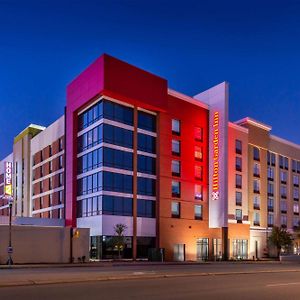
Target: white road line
283,284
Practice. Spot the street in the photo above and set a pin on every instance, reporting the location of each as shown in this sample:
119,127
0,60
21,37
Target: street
214,281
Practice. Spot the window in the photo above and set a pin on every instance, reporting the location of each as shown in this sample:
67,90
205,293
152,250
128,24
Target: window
146,121
256,186
113,158
198,212
283,221
256,170
146,143
270,220
296,222
296,180
41,171
283,206
176,147
271,157
175,209
238,163
256,202
238,198
296,166
60,179
198,172
238,181
50,183
175,167
60,163
270,189
270,204
198,153
119,136
50,166
175,189
60,146
117,182
238,215
198,192
283,176
283,162
145,208
176,127
60,197
238,146
283,191
296,194
256,155
41,186
256,219
117,112
198,134
296,208
146,164
270,173
146,186
121,206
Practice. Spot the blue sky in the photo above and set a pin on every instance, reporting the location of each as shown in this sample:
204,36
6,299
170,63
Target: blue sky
254,45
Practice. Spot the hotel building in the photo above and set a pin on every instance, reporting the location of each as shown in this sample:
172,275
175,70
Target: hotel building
172,168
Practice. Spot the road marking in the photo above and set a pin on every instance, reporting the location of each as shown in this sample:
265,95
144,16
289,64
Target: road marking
283,284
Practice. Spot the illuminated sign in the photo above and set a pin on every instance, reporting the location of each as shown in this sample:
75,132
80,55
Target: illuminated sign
215,173
8,180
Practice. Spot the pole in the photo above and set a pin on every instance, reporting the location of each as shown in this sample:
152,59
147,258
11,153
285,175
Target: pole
9,250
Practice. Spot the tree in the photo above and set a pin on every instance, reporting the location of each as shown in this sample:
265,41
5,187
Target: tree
280,238
119,238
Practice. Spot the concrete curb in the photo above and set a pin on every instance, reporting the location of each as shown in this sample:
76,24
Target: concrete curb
137,277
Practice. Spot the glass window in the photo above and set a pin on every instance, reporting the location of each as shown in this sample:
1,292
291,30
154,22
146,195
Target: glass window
283,162
116,136
198,192
117,112
117,159
175,189
198,172
145,208
146,164
238,198
256,170
270,204
271,157
117,182
198,134
270,189
256,155
296,180
283,220
283,206
270,173
198,212
121,206
296,208
270,220
283,191
175,209
146,186
256,219
175,167
146,121
175,127
146,143
198,153
256,186
238,181
238,146
283,176
176,147
238,163
239,215
296,194
256,202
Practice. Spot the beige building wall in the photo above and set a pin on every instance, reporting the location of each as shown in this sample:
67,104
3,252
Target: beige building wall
33,244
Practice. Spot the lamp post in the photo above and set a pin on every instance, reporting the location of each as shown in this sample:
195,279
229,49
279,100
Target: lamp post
10,249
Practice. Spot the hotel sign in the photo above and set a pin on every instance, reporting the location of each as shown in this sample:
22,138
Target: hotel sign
217,100
8,180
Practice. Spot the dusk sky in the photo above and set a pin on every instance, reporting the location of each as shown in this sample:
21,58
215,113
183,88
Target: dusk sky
255,46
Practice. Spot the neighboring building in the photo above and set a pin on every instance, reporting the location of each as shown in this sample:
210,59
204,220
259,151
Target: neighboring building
47,175
172,168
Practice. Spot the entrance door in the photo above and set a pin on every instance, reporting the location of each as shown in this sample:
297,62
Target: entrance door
179,252
217,249
202,249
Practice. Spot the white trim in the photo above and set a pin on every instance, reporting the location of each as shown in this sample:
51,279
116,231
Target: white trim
147,132
107,98
107,145
147,111
146,154
104,193
238,127
47,160
4,206
105,121
48,192
48,176
144,197
47,209
253,122
187,98
107,169
258,228
145,175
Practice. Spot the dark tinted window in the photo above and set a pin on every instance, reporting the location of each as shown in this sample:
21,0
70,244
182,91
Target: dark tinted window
146,208
146,143
146,164
117,112
146,121
146,186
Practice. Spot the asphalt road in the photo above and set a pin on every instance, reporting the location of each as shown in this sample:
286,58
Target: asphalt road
247,286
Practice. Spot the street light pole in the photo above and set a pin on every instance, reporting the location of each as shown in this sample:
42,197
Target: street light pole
10,249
